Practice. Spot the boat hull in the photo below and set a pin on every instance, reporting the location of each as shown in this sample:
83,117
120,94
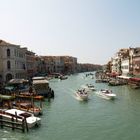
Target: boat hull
31,120
110,96
83,97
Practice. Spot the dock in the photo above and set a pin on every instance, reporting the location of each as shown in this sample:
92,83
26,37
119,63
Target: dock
13,123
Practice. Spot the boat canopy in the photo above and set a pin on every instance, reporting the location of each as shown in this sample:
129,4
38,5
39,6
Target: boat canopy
113,74
123,77
40,82
17,81
38,78
6,97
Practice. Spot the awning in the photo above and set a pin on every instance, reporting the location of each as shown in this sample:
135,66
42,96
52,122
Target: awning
113,74
6,97
135,79
17,81
123,77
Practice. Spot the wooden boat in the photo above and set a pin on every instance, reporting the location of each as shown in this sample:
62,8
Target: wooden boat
29,107
134,82
27,95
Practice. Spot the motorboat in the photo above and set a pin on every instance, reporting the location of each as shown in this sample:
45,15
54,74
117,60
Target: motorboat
107,94
19,115
63,77
90,87
82,94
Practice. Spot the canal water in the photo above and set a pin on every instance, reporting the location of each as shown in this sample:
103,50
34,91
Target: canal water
66,118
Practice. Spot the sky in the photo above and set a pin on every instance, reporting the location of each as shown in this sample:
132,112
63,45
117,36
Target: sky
91,30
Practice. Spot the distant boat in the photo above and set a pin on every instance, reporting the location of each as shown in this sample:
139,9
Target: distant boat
63,77
107,94
90,87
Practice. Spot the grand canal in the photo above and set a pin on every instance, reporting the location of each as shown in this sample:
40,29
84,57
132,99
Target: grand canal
66,118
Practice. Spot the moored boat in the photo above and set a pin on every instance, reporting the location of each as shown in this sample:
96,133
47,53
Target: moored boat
42,88
29,107
19,115
134,83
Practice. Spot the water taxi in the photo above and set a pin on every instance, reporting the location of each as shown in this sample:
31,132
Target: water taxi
91,87
106,94
82,94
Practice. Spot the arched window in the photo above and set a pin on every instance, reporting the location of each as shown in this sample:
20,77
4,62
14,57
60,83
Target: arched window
8,65
8,52
8,77
24,66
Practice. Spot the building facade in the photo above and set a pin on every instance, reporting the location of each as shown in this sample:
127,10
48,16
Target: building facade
12,61
30,62
135,52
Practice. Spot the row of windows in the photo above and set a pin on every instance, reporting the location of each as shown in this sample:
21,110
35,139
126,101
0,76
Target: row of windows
20,76
18,65
17,53
125,67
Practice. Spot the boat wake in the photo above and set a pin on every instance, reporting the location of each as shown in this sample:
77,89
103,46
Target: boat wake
104,97
77,98
106,94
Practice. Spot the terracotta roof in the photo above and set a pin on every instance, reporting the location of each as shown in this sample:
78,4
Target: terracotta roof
4,43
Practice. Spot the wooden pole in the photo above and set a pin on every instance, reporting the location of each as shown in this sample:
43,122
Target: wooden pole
23,125
1,121
26,124
13,126
41,104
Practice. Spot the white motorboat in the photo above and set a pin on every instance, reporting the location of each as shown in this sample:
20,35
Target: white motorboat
82,94
19,115
63,77
90,87
107,94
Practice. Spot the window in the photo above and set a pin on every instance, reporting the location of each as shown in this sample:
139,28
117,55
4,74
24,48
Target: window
8,52
8,65
24,66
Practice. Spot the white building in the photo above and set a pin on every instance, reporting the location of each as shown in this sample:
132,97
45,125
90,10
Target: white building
125,66
115,64
12,61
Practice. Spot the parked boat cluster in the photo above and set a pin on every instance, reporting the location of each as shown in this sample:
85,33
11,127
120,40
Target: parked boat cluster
117,80
18,107
124,66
